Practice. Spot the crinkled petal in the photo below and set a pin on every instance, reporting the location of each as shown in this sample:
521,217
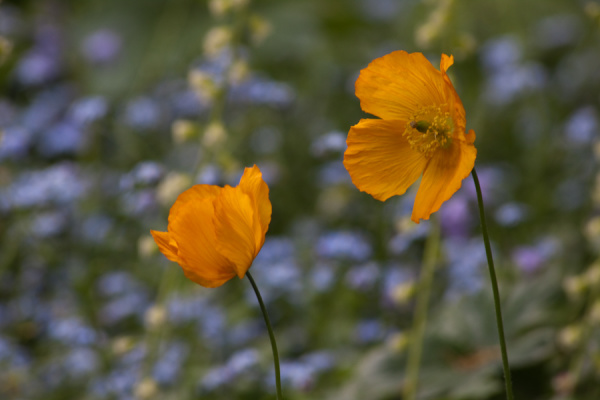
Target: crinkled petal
396,85
456,106
234,224
380,160
166,245
191,226
256,188
443,176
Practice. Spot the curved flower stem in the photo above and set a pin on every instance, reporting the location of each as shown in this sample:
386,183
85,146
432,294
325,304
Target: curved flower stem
424,293
488,252
271,336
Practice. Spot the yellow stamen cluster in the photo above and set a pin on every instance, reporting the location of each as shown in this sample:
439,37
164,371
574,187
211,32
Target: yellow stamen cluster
429,129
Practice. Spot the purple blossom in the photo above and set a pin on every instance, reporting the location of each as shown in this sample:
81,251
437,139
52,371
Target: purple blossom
101,47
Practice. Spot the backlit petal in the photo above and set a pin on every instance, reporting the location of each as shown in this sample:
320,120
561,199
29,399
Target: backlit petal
396,85
235,229
191,226
380,160
255,187
456,105
443,176
166,245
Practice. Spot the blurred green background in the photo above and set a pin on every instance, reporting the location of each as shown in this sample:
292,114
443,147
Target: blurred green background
110,109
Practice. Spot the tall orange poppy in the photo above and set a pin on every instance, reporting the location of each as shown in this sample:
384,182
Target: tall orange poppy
214,233
421,132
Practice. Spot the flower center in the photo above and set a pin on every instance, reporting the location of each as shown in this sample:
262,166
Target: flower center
429,129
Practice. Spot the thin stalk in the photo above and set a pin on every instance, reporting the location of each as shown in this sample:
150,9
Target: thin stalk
499,323
423,295
271,336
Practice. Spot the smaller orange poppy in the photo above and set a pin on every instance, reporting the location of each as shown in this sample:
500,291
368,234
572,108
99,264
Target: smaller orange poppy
214,233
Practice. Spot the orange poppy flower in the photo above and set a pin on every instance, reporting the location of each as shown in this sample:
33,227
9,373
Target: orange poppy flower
421,132
214,233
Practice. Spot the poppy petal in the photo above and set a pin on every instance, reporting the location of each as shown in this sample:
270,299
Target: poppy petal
166,245
234,226
255,187
396,85
380,160
191,226
443,176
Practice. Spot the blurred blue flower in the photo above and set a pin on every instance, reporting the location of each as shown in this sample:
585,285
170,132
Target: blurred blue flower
239,363
142,113
381,10
393,276
322,277
261,91
302,374
401,241
511,214
277,279
466,261
128,305
72,331
119,382
242,361
64,138
210,174
117,283
15,143
507,76
102,46
276,249
498,53
139,202
168,367
59,184
513,80
319,360
345,245
329,143
37,67
333,173
495,187
213,323
46,108
145,173
186,309
81,361
88,109
216,377
456,216
12,356
244,332
187,104
369,331
363,277
298,375
49,224
529,259
95,228
582,126
8,113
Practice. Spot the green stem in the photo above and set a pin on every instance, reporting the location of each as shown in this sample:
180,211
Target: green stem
271,336
418,330
488,252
